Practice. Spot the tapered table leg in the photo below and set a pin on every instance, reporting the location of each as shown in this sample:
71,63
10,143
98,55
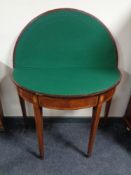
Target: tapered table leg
107,108
23,109
94,126
39,128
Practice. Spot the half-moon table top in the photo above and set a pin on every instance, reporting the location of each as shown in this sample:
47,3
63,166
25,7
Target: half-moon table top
66,52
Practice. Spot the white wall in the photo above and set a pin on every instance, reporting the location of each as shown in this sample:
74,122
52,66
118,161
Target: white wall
15,14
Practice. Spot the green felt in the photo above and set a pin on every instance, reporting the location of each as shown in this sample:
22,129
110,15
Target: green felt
66,52
67,81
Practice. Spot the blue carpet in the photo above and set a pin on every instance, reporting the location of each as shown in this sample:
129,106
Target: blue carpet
65,148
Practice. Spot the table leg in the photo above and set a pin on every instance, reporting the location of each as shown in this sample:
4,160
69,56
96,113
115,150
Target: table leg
94,126
39,127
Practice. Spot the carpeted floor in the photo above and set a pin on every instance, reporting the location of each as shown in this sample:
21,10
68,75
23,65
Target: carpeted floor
65,148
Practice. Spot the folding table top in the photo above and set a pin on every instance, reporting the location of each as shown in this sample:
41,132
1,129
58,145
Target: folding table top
66,52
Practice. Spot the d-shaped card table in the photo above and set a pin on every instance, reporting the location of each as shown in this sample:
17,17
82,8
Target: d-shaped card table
66,59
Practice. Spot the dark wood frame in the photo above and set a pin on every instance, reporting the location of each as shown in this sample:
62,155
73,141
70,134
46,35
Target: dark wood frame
64,102
1,117
127,116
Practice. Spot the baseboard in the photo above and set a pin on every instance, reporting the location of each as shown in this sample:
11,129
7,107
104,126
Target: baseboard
15,122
